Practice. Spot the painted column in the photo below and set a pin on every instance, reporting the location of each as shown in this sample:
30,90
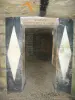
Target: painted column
64,55
14,52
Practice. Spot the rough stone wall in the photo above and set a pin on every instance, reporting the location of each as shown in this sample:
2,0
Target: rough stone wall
54,48
54,8
3,82
73,62
29,51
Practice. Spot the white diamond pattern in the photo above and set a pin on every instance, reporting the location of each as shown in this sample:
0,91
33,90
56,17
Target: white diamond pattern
64,53
14,53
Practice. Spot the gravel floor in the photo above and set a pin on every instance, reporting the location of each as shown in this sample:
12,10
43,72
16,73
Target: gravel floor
40,77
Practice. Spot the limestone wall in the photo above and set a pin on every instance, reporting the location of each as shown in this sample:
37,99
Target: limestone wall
3,82
73,62
56,8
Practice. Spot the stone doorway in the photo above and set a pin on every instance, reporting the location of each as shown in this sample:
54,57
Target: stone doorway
17,84
40,74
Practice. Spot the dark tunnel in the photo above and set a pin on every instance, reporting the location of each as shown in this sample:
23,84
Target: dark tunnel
38,43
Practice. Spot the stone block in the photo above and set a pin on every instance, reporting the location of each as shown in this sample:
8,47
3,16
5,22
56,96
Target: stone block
2,40
73,84
2,29
3,82
2,51
2,22
3,62
2,72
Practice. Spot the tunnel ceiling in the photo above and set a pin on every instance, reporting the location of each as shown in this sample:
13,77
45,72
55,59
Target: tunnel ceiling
38,30
56,8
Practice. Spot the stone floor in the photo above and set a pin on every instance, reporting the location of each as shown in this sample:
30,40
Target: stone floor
40,79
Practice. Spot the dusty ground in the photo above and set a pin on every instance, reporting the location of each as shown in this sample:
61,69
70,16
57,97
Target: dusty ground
40,77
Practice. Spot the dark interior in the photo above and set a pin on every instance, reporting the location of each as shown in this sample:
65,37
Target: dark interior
38,43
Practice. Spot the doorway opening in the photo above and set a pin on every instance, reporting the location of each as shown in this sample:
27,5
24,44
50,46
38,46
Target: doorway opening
40,38
40,73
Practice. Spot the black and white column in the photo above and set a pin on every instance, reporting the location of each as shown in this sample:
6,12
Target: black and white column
14,58
64,51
